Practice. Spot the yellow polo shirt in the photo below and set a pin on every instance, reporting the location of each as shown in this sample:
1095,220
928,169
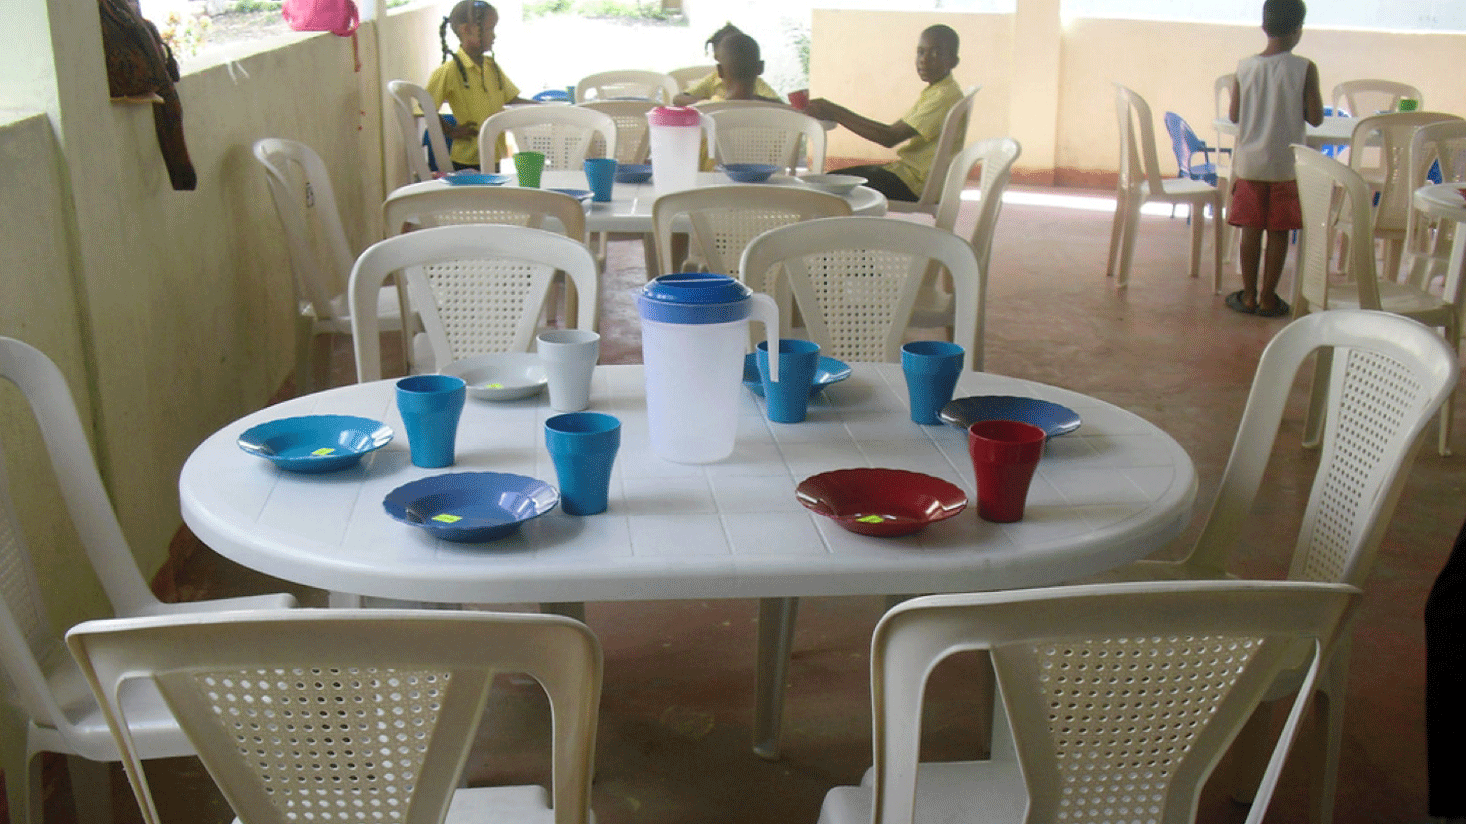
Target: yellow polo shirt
914,159
484,93
713,88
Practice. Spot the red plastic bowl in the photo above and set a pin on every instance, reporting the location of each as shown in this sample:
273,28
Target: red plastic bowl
881,502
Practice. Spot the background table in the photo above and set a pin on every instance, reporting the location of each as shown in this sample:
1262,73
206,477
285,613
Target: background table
1114,491
1335,130
630,209
1446,202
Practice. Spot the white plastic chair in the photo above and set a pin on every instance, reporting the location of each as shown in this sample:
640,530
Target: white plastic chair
479,288
319,255
1222,101
406,97
855,281
996,156
627,83
1117,701
1140,181
42,682
633,144
352,715
768,134
951,140
1325,188
562,133
1362,98
1380,152
1428,240
687,76
1389,375
725,218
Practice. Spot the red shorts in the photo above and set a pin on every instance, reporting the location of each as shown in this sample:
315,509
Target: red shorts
1265,204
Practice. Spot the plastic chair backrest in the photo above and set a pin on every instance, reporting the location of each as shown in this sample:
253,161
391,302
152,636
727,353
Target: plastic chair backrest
1439,146
456,205
768,134
633,144
478,288
856,280
1186,145
1362,98
725,218
1322,182
1221,91
306,204
687,76
562,133
1390,375
1090,678
1138,160
950,141
627,83
406,96
1386,137
399,693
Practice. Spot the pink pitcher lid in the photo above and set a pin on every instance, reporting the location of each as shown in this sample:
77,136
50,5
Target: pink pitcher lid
674,116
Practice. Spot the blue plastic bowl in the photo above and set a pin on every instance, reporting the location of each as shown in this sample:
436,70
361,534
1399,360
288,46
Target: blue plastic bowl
469,178
470,507
1054,419
633,172
315,443
749,172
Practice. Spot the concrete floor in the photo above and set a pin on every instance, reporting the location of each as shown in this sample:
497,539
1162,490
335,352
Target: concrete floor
675,715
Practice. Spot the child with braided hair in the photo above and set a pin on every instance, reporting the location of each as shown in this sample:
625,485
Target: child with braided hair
470,82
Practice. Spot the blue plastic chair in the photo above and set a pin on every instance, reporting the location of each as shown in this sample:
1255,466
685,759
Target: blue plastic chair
1186,145
449,121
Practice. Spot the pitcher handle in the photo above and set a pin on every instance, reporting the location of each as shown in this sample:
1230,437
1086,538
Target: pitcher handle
766,311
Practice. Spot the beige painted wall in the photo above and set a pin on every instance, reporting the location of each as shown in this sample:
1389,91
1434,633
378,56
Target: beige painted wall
1172,65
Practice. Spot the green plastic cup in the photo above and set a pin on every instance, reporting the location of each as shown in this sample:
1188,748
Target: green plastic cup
528,166
1409,104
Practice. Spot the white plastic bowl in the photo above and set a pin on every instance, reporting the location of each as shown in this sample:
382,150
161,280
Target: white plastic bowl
834,184
504,376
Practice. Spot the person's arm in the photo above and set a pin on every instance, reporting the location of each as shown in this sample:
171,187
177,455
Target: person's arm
886,134
1234,111
1312,97
459,131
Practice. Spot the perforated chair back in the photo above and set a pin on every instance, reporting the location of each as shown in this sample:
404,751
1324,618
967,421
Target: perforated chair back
306,204
426,208
352,715
1362,98
407,100
562,133
768,134
633,144
856,280
627,83
951,140
1116,700
725,218
478,288
687,76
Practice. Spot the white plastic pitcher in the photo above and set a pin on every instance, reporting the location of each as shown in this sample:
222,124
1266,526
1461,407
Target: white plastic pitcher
694,334
676,142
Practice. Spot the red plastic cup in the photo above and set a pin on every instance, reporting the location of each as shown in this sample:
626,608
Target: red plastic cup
799,98
1004,456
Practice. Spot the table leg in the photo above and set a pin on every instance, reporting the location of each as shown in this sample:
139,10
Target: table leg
775,642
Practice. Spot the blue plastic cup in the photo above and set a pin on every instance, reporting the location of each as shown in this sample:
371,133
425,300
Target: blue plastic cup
931,368
600,175
583,447
430,406
787,399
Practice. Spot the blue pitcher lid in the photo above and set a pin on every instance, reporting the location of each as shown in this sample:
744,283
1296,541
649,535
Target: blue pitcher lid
694,297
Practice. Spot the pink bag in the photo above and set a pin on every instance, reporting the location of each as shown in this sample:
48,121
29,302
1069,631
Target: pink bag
338,17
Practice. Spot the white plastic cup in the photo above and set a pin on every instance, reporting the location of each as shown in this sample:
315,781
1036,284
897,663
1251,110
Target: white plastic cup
569,356
676,143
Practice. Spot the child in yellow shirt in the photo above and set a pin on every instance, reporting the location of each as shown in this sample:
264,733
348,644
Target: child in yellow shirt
469,81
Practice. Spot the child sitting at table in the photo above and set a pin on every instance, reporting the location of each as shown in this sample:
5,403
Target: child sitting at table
714,86
739,66
918,129
1273,94
471,83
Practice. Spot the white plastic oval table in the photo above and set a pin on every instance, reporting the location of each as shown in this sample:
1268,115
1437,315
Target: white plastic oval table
1111,492
630,208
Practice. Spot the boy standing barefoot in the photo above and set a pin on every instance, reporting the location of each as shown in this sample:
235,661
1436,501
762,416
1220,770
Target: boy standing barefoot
1274,94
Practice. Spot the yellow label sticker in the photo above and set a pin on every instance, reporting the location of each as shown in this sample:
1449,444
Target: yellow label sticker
874,519
491,386
447,518
325,450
